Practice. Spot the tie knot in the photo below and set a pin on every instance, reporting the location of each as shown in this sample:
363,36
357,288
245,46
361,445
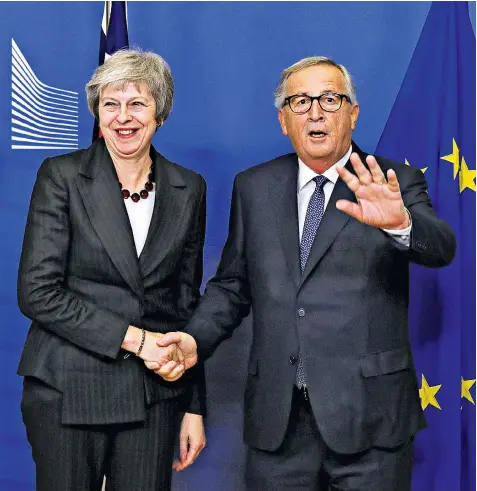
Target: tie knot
320,181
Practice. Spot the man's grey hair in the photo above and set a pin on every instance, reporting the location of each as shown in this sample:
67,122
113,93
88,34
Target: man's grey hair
281,91
133,66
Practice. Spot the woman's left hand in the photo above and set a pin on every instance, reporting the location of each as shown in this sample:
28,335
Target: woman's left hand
192,440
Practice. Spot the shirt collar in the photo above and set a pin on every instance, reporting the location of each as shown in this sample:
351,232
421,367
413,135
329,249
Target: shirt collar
305,174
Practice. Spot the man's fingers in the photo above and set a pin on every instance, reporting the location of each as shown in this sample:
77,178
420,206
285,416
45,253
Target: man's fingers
393,182
170,371
167,368
376,172
361,171
171,374
162,356
180,357
350,208
152,365
350,179
169,338
166,357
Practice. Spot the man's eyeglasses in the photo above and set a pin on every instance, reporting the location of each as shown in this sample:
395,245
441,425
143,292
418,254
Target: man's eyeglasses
329,102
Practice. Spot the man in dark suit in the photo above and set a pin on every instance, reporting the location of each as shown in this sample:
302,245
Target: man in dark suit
319,247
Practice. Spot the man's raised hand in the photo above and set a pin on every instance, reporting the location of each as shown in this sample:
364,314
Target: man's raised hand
379,197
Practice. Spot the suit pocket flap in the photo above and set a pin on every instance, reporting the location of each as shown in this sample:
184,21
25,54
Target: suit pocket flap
386,362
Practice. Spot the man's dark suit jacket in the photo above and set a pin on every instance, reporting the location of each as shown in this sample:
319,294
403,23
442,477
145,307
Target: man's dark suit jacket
82,284
347,314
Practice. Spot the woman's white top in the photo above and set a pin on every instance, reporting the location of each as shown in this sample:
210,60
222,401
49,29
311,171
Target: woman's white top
140,215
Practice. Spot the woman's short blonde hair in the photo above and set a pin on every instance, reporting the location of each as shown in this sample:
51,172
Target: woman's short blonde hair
134,66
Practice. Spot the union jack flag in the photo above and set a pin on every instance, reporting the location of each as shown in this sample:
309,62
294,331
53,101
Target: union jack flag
114,36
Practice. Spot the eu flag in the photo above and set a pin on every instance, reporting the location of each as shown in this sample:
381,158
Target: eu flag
432,127
113,37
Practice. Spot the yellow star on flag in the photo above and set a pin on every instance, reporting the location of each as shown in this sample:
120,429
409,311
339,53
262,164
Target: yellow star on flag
465,390
453,158
466,177
428,394
422,170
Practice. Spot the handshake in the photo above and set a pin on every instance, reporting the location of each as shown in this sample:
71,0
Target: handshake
168,355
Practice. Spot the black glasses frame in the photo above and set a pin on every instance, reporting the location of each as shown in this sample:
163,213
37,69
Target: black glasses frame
318,98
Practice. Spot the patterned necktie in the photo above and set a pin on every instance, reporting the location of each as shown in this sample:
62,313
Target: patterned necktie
314,214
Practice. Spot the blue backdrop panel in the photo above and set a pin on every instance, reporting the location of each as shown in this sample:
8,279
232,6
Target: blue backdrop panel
226,59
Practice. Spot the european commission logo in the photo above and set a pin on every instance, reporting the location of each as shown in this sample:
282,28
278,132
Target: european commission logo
43,117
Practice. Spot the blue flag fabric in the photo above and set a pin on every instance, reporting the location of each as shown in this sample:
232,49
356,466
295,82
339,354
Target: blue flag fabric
114,36
432,127
114,29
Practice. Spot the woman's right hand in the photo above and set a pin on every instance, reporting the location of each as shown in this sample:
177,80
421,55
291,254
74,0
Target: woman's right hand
150,352
173,368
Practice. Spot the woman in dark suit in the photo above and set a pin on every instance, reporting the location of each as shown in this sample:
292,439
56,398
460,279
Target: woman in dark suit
112,258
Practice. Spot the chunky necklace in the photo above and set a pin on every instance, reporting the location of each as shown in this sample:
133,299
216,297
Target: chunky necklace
148,187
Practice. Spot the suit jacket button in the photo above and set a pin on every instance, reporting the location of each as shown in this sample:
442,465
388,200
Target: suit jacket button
293,359
301,312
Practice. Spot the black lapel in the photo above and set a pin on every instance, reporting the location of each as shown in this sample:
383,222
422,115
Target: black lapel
169,207
99,189
283,197
333,220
